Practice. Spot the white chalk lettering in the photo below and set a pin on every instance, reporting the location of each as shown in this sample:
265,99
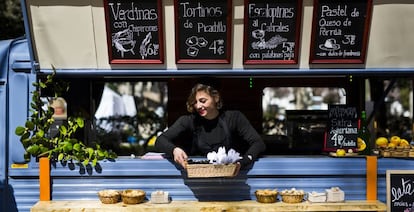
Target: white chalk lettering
133,13
200,11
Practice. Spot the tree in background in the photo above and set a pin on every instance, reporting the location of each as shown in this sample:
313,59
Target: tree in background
11,19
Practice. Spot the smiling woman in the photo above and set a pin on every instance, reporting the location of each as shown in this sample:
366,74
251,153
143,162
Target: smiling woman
211,127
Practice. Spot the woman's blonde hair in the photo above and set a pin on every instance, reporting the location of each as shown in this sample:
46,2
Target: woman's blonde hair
210,90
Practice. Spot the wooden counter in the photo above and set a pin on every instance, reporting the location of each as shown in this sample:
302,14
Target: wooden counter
184,206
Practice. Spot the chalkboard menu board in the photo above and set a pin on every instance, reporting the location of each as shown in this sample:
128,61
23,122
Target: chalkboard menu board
134,31
271,31
400,190
203,31
340,31
342,128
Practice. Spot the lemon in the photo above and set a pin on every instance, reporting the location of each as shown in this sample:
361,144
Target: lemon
391,145
340,152
395,140
404,143
381,142
361,145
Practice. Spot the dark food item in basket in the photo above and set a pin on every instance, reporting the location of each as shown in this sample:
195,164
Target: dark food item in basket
191,161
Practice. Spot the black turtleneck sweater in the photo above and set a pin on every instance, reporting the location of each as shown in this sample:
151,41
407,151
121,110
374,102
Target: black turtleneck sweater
230,129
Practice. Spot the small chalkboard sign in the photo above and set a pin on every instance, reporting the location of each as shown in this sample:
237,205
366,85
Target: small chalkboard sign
134,31
340,31
203,31
271,31
400,190
342,128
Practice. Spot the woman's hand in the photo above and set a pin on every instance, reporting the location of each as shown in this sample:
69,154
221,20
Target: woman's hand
180,156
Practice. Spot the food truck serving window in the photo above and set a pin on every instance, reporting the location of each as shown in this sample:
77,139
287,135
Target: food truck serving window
122,115
126,115
278,101
129,115
294,118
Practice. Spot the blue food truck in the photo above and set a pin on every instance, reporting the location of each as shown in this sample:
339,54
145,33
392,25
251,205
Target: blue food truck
130,65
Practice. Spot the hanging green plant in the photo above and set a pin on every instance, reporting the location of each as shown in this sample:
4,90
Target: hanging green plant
36,136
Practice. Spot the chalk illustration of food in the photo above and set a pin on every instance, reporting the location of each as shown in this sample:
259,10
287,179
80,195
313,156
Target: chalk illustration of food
272,43
330,45
124,42
143,46
194,43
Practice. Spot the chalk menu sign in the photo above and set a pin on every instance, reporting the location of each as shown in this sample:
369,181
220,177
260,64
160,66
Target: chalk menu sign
134,31
203,31
340,31
342,127
400,190
271,31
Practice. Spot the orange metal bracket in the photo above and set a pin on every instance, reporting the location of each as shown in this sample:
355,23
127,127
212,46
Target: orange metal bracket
44,179
371,177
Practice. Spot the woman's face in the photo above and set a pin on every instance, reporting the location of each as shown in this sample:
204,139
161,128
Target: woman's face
205,105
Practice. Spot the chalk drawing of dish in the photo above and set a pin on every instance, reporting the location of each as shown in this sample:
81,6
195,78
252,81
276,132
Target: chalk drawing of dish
272,43
330,45
193,42
196,41
124,41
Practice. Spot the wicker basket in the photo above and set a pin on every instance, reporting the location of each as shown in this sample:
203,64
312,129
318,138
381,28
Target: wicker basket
292,198
411,153
396,152
212,170
109,196
133,196
264,197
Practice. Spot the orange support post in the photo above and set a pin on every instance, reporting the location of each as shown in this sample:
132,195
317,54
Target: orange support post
44,179
371,177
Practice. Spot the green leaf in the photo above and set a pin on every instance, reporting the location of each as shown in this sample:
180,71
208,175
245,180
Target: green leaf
60,157
85,162
67,147
33,149
20,130
43,149
77,147
80,122
25,136
101,153
63,130
42,85
30,125
40,134
90,151
94,162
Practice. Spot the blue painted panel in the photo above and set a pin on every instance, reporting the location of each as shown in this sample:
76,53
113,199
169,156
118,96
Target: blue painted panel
25,193
307,173
385,164
202,189
7,49
276,165
3,83
19,83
